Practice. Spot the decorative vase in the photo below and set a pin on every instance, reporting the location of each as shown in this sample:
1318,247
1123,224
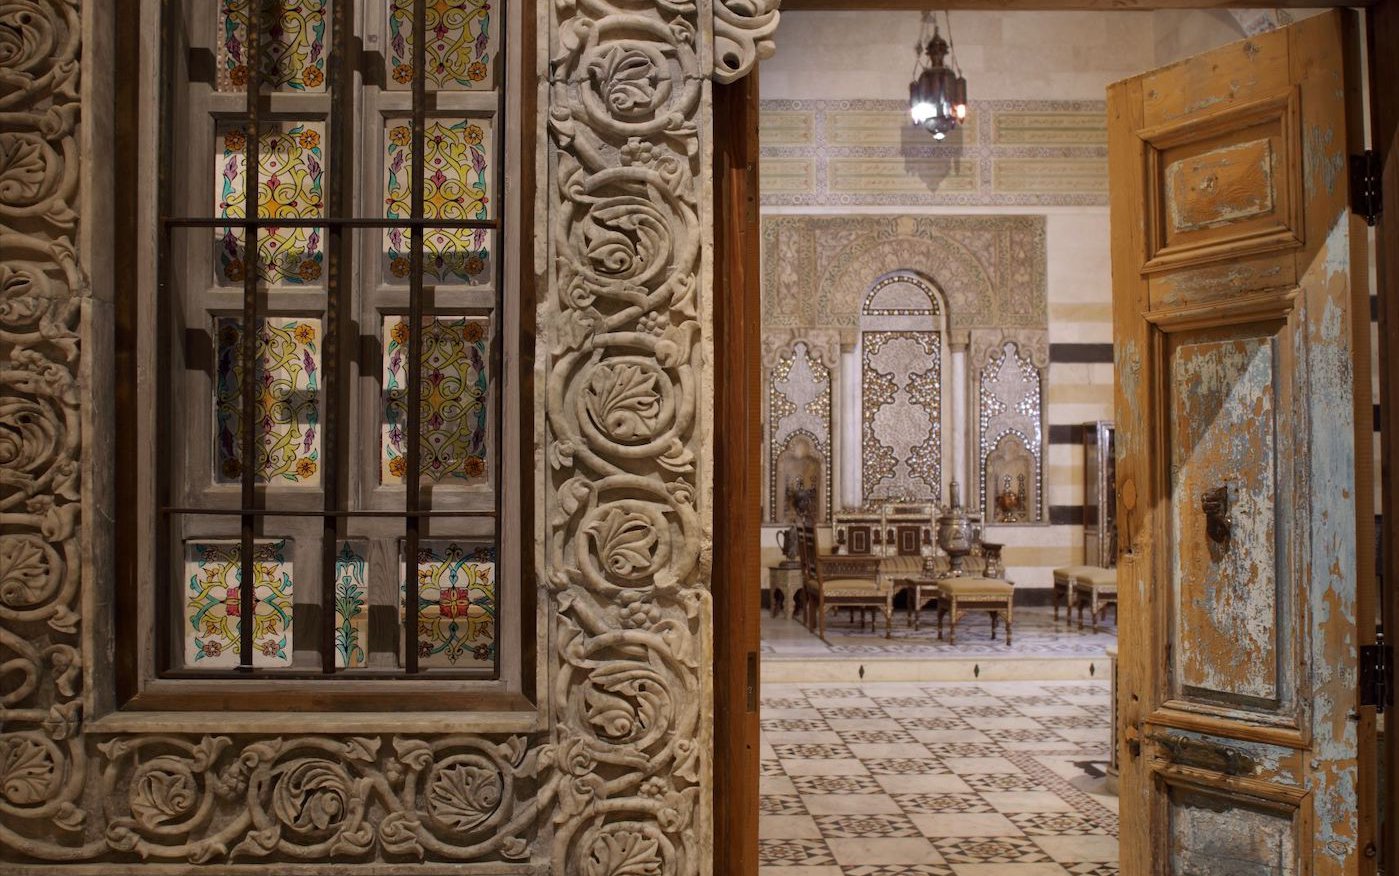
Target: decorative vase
955,532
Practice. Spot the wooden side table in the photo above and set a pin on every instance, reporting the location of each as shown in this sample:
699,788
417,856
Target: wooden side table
785,578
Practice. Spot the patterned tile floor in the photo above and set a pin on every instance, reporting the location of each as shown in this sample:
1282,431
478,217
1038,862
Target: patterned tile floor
1036,633
936,779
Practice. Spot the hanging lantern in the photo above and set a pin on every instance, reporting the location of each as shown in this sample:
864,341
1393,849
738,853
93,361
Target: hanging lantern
937,96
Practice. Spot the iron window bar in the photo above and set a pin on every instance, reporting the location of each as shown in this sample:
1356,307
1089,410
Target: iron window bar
338,298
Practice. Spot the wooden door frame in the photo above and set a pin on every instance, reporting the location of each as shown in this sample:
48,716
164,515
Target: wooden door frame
737,476
738,401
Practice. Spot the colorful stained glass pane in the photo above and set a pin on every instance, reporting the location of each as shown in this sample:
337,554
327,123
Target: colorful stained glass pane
460,46
456,605
454,187
351,605
287,383
213,606
455,383
292,44
290,175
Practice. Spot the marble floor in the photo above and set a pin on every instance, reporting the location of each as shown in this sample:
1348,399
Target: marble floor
1036,634
936,779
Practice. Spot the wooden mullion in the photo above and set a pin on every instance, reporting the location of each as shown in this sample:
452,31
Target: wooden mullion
413,432
248,352
339,301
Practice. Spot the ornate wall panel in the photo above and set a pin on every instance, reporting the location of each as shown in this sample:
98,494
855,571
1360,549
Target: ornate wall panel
862,152
817,270
618,778
901,415
1009,371
801,380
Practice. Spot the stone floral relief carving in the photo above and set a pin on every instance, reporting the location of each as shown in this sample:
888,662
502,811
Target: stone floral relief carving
623,774
817,270
42,758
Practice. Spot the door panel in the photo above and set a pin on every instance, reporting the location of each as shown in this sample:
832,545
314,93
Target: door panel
1231,637
1243,392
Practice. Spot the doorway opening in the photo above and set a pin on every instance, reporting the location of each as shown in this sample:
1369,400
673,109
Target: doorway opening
939,526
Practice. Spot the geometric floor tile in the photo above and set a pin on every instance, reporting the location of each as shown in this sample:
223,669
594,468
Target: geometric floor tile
1057,824
793,852
989,850
899,870
1090,869
836,785
856,826
906,766
927,804
781,804
936,779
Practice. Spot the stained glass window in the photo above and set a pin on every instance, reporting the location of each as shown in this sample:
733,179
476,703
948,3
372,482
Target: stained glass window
287,382
351,605
454,397
294,54
292,221
456,604
291,171
455,186
460,46
213,605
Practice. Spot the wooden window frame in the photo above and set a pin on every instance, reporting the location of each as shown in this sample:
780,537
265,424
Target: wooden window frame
145,675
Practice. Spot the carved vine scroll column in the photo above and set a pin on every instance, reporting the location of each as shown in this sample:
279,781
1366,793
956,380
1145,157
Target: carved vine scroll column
618,777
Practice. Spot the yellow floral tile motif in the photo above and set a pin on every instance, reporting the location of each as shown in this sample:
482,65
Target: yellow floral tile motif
456,605
213,609
287,383
455,388
455,187
460,44
293,40
290,175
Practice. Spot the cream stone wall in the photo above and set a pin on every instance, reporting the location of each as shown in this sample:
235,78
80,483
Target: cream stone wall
1051,69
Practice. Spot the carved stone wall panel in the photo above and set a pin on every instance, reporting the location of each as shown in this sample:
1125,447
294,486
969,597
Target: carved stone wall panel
1009,370
817,270
620,780
801,379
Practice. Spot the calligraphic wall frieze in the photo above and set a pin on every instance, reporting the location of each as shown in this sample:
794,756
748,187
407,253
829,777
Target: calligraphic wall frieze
864,152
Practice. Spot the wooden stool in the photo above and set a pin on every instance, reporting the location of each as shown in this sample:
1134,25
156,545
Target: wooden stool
1095,589
1064,587
962,594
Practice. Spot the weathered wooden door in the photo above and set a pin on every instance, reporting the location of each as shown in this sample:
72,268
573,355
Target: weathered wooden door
1244,492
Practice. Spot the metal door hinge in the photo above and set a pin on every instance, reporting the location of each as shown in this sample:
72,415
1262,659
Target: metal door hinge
1365,174
1377,675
